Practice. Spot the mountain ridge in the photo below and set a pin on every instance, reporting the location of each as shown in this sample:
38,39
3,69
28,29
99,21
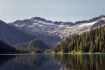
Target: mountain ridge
53,32
13,36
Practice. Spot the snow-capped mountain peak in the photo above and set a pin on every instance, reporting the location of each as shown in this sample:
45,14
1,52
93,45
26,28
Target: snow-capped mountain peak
52,32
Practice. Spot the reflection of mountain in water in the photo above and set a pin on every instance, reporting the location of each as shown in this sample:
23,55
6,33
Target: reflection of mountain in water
31,62
82,62
5,58
50,62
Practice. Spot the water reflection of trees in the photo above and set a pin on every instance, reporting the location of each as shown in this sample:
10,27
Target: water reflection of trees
5,58
24,62
82,62
34,60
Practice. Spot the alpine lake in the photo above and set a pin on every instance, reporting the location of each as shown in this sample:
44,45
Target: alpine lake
52,62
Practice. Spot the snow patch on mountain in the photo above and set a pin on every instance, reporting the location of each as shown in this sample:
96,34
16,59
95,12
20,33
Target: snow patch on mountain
50,31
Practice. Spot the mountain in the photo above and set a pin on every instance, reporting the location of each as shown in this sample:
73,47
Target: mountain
82,26
43,29
99,23
12,35
53,32
91,20
92,41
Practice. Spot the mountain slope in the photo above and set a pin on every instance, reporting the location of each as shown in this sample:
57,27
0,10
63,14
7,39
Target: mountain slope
12,35
81,26
53,32
98,24
91,41
43,29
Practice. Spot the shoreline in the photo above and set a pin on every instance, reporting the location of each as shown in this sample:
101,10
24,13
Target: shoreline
56,53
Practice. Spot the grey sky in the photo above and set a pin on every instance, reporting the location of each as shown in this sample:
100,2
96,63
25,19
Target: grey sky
61,10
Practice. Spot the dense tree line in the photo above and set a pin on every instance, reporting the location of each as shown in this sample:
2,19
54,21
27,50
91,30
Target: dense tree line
35,46
6,49
90,41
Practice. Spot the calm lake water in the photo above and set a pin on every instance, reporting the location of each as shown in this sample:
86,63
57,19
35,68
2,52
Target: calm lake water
52,62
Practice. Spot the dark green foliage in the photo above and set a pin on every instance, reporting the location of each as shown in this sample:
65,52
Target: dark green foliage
32,46
91,41
6,49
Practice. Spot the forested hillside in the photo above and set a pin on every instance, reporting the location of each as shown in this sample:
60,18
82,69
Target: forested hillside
35,46
90,41
6,49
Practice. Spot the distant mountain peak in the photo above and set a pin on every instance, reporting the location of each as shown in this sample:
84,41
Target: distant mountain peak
101,17
38,18
98,18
